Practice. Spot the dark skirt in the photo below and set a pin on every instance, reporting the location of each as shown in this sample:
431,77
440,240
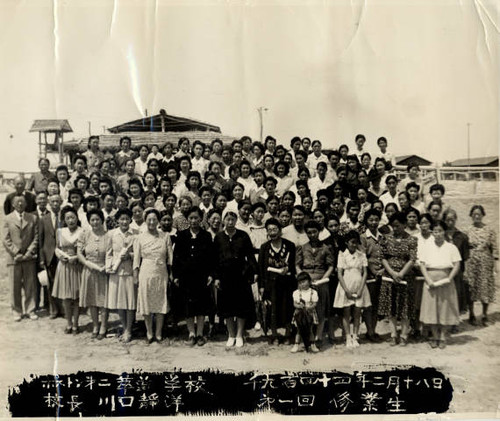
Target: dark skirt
235,298
332,289
280,294
324,302
195,298
374,290
462,292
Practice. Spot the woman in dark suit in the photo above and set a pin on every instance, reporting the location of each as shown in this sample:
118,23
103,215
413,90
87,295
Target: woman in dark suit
234,271
192,267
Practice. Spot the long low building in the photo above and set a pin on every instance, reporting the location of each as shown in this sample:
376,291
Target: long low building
489,161
153,130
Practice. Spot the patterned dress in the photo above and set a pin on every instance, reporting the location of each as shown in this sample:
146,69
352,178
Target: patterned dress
94,285
479,268
68,275
396,300
151,254
180,223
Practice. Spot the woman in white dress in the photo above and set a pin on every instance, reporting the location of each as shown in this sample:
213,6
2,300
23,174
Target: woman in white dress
439,263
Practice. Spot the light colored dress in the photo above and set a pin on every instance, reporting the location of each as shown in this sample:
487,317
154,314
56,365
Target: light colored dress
151,254
479,268
353,264
68,275
439,304
94,285
122,293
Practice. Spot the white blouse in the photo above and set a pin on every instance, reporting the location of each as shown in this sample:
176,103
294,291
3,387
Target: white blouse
439,257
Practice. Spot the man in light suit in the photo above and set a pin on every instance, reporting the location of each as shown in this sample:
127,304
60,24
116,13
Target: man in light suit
47,228
21,242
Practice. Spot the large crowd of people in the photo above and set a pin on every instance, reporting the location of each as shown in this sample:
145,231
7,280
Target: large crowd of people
251,235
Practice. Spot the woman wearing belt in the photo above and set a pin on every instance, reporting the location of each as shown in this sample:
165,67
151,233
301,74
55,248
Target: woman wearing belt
92,245
152,253
440,264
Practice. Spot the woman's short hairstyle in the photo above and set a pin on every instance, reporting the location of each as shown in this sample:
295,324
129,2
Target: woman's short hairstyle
352,235
68,209
371,212
477,207
197,210
399,217
258,205
426,216
283,163
440,223
273,221
121,212
193,174
149,211
95,212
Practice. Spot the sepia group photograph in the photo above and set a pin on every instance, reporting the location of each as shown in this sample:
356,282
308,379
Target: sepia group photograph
267,208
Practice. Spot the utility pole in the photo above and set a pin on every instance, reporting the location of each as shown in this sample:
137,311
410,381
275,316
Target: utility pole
90,128
261,111
468,150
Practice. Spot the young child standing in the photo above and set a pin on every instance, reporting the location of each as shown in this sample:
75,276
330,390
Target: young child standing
304,300
352,294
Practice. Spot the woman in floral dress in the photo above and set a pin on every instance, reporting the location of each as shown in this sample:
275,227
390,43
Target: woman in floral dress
399,252
152,252
92,245
479,268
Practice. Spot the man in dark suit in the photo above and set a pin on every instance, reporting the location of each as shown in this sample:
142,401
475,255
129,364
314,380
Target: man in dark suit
20,239
41,200
20,186
47,226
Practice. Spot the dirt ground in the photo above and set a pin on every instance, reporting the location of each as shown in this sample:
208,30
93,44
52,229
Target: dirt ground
471,360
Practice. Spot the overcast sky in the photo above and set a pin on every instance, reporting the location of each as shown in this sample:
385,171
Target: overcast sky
413,71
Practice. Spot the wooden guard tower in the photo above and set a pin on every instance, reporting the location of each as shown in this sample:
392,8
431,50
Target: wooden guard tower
58,127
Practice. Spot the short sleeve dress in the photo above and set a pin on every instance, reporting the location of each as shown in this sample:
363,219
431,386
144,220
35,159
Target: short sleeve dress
352,264
122,293
440,304
68,275
151,254
479,268
396,300
94,285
